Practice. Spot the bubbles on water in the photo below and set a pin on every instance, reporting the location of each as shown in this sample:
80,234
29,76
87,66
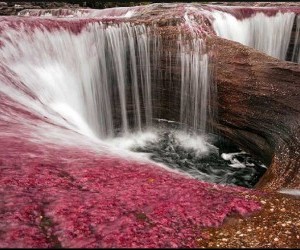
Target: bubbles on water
195,155
138,139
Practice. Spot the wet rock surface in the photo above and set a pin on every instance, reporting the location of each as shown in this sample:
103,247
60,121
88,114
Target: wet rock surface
258,4
258,107
275,226
14,7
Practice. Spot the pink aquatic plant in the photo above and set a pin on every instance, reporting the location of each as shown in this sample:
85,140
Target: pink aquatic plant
74,198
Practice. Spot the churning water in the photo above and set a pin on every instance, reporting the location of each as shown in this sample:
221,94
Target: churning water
203,157
98,79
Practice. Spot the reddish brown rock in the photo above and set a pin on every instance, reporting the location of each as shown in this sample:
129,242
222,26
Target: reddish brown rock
258,4
258,107
14,7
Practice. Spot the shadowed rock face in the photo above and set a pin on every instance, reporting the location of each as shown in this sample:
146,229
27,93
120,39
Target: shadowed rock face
258,107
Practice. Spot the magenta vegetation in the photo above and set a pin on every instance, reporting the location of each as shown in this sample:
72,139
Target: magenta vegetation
67,196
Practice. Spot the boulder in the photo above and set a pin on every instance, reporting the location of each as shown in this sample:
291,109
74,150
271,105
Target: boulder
258,108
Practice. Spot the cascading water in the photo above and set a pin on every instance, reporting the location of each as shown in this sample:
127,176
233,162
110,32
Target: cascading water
195,85
269,34
87,77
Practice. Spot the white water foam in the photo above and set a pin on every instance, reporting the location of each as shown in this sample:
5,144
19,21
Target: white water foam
234,162
197,143
138,139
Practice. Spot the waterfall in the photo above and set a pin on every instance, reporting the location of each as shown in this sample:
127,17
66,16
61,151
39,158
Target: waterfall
269,34
195,84
296,50
100,80
89,78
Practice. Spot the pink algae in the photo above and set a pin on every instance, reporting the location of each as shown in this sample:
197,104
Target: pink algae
91,200
55,195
